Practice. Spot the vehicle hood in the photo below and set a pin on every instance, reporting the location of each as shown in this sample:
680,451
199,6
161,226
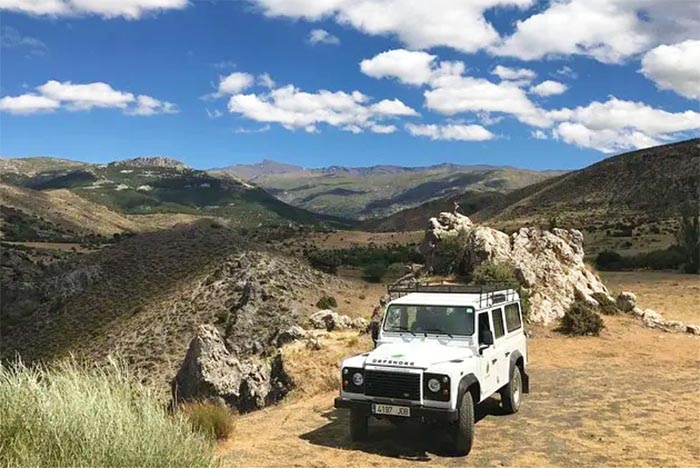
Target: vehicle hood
416,354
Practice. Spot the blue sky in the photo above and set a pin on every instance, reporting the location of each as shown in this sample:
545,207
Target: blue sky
96,82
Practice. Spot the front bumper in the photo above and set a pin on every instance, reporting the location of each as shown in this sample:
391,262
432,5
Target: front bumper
417,411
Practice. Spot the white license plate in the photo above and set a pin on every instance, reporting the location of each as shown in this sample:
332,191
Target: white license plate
391,410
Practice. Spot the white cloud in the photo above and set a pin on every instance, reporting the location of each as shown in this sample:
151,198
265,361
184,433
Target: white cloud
266,81
605,140
81,97
675,67
147,105
321,36
567,72
418,24
235,83
244,130
11,38
378,128
28,104
549,88
85,96
538,134
457,94
506,73
608,30
392,107
451,132
296,109
130,9
214,114
617,125
410,67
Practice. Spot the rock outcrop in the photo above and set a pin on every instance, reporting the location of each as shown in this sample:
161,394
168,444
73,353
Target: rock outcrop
549,264
330,320
211,371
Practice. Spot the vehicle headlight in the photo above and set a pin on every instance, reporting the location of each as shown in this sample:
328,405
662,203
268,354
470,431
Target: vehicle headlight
358,379
434,385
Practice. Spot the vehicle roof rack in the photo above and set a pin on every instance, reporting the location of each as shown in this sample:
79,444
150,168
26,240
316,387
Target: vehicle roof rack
506,291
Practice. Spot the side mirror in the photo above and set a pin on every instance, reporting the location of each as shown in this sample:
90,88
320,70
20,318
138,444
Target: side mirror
375,332
487,338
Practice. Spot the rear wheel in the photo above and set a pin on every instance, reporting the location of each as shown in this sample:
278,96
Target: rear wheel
463,430
512,394
359,425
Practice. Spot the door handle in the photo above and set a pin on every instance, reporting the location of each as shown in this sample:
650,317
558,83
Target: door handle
507,353
493,361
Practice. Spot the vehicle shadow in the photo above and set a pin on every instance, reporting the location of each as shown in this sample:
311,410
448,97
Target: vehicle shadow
407,440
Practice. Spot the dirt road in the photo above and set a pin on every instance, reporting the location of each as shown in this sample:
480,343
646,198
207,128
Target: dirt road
629,398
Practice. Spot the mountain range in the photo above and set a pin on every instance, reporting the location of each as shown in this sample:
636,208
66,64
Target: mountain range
379,191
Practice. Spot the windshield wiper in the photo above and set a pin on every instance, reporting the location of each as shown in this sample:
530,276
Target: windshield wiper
437,330
402,329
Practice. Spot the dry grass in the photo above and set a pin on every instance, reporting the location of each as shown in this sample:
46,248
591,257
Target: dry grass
675,295
628,398
71,415
217,421
318,371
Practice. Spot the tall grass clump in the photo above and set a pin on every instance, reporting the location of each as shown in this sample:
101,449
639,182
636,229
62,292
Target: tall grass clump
70,415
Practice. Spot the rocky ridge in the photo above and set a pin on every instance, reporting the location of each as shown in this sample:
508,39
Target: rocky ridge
549,264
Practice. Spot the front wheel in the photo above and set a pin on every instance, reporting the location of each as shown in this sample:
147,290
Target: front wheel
512,394
463,430
359,425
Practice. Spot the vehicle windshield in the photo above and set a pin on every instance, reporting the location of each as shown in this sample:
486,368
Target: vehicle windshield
430,319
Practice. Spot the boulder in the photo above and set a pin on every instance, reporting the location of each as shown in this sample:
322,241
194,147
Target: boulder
361,324
293,333
330,320
212,372
626,301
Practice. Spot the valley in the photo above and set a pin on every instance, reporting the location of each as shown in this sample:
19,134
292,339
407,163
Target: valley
133,258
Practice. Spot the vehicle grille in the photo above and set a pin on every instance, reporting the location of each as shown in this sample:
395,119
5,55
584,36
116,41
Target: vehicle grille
400,385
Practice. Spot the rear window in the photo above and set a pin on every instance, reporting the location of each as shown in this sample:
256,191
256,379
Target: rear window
513,321
497,316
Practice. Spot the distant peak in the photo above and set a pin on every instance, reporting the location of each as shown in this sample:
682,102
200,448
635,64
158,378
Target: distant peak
152,161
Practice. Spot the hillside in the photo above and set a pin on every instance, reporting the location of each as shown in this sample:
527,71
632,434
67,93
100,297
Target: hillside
158,185
145,296
415,219
644,184
379,191
628,202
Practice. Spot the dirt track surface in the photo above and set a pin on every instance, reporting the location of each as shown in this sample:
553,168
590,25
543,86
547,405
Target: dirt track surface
629,398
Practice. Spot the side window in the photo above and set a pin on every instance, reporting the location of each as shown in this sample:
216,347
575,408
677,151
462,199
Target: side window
497,317
513,320
484,325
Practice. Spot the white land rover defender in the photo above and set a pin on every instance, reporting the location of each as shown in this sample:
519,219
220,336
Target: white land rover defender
440,350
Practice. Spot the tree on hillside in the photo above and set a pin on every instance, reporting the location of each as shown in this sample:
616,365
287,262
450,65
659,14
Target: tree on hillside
688,238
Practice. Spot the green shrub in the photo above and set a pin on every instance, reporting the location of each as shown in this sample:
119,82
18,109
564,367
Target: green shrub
581,320
670,258
448,257
490,273
70,415
327,302
374,272
214,420
502,273
688,238
608,260
606,305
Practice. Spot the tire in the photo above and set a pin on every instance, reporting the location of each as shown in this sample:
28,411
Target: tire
512,393
359,425
463,430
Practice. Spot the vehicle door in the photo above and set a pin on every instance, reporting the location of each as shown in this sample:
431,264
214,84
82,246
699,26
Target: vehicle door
502,346
487,357
515,336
